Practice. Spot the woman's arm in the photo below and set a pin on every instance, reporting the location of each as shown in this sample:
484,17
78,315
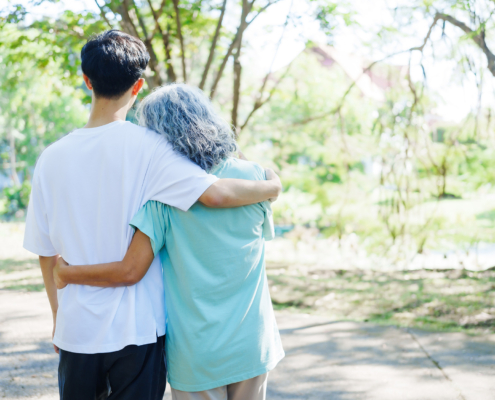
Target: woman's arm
127,272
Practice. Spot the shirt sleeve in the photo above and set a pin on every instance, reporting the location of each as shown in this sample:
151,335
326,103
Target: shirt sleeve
268,225
152,220
174,179
37,234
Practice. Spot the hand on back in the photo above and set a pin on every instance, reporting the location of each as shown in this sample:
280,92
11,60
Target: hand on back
272,176
61,263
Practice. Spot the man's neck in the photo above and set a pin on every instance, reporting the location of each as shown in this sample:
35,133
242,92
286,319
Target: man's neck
106,111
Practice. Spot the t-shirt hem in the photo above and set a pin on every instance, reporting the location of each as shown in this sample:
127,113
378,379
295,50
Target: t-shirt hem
106,348
40,252
227,381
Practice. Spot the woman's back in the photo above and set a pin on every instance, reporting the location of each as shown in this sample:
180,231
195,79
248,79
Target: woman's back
221,328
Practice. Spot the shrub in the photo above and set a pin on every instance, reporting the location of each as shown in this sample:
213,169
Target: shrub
16,199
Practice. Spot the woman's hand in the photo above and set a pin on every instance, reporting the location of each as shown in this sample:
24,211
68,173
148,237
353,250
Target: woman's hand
56,273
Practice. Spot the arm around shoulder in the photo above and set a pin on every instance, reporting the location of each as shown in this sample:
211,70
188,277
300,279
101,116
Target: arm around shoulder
228,193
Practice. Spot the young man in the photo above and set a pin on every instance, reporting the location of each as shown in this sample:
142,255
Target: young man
86,188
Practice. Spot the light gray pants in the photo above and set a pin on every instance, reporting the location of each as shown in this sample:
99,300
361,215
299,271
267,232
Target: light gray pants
251,389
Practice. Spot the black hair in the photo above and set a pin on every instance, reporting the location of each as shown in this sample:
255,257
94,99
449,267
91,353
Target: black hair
113,61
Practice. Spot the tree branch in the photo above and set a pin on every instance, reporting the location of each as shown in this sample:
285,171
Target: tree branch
153,64
276,51
477,37
157,15
237,89
126,23
213,46
128,26
427,37
171,76
262,9
367,69
181,39
351,86
103,15
141,22
246,9
260,103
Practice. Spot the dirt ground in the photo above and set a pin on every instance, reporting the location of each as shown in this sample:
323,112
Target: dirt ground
325,359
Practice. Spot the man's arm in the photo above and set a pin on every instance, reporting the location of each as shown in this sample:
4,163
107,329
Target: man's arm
47,264
127,272
229,193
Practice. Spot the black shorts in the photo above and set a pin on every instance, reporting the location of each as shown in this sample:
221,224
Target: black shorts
135,372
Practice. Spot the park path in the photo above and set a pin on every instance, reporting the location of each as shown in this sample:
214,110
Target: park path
326,360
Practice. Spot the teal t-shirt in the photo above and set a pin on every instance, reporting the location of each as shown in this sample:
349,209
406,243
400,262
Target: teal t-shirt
220,323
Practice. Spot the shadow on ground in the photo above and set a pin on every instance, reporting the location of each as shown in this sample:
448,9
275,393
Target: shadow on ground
346,360
330,360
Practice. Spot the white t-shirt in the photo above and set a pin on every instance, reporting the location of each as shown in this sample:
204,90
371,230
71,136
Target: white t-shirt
86,189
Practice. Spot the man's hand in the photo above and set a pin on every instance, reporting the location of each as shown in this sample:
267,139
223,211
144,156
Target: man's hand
272,176
56,274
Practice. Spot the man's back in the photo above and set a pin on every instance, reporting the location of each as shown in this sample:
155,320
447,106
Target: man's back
86,188
91,181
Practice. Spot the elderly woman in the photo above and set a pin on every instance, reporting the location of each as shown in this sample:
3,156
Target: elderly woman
222,338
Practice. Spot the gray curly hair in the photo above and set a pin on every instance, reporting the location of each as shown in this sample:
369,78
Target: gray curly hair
185,116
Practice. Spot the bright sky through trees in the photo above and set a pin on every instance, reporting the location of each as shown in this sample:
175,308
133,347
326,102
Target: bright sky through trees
456,98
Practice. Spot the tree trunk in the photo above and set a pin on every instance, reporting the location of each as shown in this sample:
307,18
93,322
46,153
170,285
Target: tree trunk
129,27
13,162
181,39
236,42
153,64
171,76
237,90
213,46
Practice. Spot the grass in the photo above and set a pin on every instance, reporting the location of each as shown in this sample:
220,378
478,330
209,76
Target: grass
10,265
9,280
454,300
27,287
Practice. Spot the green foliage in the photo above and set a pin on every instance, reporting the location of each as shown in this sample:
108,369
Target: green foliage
37,105
16,198
46,45
330,15
361,159
375,169
451,300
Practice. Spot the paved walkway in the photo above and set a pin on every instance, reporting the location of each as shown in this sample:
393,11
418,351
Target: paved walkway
326,360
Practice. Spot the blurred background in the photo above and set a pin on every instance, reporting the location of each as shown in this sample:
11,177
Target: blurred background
378,115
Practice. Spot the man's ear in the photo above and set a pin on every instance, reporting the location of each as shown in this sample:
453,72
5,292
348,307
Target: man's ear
87,82
137,86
